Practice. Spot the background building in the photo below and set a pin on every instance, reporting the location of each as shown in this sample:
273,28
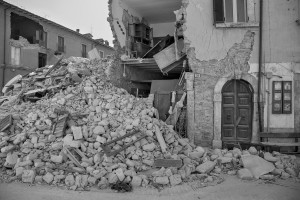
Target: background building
29,41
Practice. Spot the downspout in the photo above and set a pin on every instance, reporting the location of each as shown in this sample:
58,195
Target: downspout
259,66
4,50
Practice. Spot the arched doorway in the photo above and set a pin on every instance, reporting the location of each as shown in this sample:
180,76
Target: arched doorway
237,111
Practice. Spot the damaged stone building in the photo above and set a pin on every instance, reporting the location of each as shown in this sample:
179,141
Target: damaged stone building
240,60
29,41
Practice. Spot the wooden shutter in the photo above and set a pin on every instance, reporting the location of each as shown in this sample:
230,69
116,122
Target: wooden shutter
218,9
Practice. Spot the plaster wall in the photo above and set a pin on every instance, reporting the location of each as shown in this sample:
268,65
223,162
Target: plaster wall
281,41
200,33
163,29
278,122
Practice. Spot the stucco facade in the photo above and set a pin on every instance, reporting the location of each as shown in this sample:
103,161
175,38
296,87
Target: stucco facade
221,52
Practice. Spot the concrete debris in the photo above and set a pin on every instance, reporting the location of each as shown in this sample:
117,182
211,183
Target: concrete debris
257,165
60,126
28,176
245,174
206,167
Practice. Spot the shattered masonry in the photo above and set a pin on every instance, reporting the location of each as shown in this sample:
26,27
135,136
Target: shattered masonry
34,150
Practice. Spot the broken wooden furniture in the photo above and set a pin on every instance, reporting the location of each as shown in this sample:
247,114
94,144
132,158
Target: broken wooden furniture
141,37
72,153
60,126
5,122
168,163
264,140
170,57
107,149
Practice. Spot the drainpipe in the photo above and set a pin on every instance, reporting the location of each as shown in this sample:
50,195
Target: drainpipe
4,49
259,66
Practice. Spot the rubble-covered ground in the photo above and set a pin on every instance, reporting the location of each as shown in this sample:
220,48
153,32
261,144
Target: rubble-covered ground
62,116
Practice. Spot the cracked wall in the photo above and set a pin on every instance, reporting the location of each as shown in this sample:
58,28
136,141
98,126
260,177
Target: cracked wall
234,64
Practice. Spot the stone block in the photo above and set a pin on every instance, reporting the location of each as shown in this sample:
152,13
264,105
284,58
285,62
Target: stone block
57,159
119,172
175,179
268,157
149,147
206,167
19,171
224,160
11,159
164,180
48,178
70,180
245,174
136,181
252,150
28,176
257,165
77,133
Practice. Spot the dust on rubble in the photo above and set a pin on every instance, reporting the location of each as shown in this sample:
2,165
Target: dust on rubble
64,117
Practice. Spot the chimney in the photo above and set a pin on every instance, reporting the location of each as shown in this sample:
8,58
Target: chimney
77,30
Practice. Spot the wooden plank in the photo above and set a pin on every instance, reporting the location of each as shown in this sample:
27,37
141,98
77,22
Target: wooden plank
279,135
278,144
167,163
5,122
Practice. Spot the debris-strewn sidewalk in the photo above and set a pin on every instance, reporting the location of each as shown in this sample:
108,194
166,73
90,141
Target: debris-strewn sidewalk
58,122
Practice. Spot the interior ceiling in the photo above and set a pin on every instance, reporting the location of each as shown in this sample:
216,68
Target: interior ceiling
155,11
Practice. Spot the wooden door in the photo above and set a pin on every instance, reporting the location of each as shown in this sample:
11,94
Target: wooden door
237,109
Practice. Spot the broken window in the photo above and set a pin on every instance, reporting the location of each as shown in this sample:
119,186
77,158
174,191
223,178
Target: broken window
83,50
41,38
230,11
61,44
282,97
15,55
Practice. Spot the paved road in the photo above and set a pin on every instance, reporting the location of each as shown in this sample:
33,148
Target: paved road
232,188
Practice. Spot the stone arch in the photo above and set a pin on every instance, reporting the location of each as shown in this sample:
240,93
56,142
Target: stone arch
217,142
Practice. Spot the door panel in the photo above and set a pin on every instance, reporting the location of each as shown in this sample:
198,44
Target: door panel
236,111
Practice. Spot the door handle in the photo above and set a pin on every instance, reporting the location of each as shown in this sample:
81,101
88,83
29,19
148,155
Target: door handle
238,121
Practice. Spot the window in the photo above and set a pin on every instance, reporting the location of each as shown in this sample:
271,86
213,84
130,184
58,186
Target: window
61,44
101,53
15,55
230,11
83,50
41,38
282,97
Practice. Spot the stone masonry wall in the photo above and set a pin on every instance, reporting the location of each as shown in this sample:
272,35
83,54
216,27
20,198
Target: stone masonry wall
207,74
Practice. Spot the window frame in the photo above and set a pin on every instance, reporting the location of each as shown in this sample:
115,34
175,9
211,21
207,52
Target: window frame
279,94
60,48
100,53
219,9
84,50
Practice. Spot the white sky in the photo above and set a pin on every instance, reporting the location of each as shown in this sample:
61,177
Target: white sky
90,16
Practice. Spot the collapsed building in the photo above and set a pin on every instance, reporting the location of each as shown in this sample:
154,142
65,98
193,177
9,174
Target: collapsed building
240,60
68,124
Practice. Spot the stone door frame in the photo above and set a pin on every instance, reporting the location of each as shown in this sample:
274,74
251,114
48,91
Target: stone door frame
217,142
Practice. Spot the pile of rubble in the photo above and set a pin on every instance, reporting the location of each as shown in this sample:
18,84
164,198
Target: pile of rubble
68,125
